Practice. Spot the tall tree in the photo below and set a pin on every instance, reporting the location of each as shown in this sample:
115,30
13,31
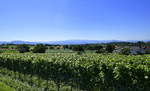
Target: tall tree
140,44
110,48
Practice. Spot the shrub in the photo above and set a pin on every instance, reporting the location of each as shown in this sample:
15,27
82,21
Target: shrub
23,48
101,51
125,51
79,49
147,51
39,48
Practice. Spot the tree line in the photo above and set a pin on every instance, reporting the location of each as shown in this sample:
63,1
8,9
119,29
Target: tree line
98,48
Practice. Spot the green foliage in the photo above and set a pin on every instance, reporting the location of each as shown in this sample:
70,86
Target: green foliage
110,48
140,44
39,48
101,51
8,51
26,82
4,87
93,47
147,51
90,72
4,46
140,53
59,51
78,48
51,47
125,51
23,48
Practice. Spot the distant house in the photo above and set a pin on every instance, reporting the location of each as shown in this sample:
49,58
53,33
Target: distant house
136,50
117,49
148,48
133,49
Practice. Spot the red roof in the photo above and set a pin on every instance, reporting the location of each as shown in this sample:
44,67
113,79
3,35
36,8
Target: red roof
148,47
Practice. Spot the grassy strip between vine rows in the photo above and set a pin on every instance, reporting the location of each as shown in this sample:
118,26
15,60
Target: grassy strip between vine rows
4,87
16,84
23,82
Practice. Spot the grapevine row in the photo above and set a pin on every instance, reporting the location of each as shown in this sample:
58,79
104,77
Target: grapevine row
89,72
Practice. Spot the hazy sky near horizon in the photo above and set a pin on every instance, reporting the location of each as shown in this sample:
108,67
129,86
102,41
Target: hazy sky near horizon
49,20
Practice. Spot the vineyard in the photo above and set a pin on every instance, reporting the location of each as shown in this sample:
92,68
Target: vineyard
72,72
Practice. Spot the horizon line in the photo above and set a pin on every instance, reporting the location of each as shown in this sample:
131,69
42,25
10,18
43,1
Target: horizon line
68,40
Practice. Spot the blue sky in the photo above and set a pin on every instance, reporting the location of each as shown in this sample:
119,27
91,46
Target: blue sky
49,20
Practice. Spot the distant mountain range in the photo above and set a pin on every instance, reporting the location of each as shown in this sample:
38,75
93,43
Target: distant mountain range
67,42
